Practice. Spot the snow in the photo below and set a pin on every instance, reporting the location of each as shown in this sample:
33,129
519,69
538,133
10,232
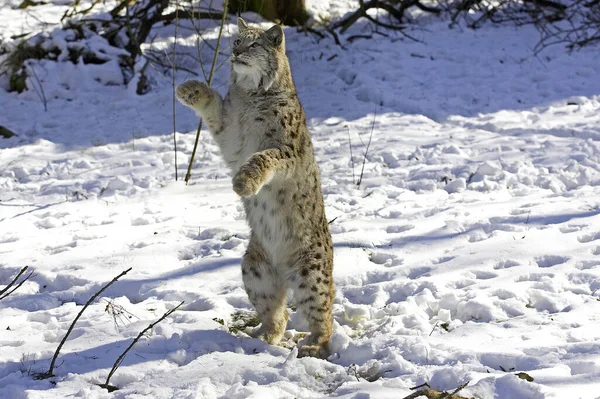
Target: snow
470,251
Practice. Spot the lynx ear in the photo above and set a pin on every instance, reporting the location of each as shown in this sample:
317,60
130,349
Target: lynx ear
242,25
275,35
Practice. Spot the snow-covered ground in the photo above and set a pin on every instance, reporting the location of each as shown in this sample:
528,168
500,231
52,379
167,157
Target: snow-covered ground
470,251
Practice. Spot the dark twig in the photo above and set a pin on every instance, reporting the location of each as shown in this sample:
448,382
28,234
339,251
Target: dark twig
154,60
173,87
210,77
5,291
367,150
433,329
351,156
41,93
50,373
430,393
120,359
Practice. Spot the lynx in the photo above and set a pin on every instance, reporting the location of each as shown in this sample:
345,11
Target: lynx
260,128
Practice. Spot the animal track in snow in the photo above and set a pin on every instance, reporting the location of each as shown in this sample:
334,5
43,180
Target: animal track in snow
210,246
534,277
8,239
596,251
571,228
506,264
417,272
550,260
399,228
386,259
366,295
519,211
41,317
86,236
379,276
49,223
483,275
588,237
60,248
442,259
588,264
14,344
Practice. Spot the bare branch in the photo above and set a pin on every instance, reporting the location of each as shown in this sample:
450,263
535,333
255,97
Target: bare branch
50,371
210,78
120,359
367,150
173,87
5,291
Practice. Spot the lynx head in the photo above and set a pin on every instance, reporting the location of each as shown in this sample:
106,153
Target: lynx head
258,56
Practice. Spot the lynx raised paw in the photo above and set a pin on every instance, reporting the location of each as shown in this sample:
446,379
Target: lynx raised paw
193,93
244,185
247,181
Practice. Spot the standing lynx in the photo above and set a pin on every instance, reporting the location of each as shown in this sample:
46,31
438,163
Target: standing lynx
260,128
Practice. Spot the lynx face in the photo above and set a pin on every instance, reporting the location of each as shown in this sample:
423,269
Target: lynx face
255,54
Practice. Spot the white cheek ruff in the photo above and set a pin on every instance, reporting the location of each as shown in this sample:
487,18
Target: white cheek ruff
247,76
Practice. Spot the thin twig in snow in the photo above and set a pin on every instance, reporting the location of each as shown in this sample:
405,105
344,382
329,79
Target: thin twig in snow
173,86
41,94
50,373
367,149
351,157
120,359
433,329
5,292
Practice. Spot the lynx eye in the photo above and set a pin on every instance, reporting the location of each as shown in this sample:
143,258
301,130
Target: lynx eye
237,42
254,45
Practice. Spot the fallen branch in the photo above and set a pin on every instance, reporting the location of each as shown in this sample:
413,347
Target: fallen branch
430,393
50,371
5,291
120,359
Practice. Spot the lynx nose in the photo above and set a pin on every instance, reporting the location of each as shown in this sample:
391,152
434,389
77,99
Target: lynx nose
236,52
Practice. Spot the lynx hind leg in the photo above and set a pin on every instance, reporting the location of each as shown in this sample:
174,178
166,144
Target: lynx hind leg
314,296
267,294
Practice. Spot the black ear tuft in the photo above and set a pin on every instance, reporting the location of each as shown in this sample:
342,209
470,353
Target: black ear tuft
275,35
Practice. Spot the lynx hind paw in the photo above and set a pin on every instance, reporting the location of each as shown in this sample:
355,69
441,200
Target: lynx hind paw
193,93
317,351
271,337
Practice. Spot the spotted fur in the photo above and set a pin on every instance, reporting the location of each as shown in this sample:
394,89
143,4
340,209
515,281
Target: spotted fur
261,130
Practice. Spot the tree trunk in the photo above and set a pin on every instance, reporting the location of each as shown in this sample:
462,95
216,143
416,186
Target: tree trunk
289,12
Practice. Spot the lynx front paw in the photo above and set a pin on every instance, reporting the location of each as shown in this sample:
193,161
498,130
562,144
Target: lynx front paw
193,93
245,184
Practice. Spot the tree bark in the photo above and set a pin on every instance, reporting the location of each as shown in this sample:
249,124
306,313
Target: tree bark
289,12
